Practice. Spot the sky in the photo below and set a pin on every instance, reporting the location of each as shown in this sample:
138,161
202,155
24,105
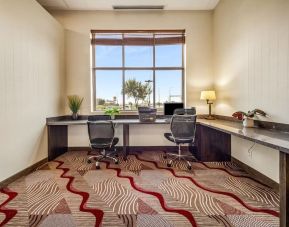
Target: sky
109,82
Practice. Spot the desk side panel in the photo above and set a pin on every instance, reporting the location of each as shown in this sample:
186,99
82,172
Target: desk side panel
212,145
284,189
57,141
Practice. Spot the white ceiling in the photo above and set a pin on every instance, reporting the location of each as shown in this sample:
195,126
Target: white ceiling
107,4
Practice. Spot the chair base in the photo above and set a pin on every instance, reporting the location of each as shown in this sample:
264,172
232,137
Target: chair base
104,155
179,156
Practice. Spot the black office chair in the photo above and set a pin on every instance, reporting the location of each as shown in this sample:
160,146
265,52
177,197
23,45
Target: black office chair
183,130
101,137
99,118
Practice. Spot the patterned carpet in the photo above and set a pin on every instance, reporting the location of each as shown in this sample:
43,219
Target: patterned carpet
139,192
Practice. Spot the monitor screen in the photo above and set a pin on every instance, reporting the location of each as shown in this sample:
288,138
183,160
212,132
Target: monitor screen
170,107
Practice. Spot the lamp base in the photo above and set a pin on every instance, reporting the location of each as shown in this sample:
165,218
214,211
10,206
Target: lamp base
210,117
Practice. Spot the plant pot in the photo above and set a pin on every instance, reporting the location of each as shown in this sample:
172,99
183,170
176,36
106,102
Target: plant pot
248,122
74,116
112,117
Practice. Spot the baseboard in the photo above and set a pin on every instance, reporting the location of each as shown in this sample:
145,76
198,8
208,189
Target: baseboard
22,173
78,149
156,148
138,148
257,175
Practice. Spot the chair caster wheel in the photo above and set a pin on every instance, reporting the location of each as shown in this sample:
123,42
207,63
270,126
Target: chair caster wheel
116,162
97,167
88,161
189,167
165,156
169,165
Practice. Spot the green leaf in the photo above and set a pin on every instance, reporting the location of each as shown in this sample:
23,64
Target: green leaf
112,111
74,103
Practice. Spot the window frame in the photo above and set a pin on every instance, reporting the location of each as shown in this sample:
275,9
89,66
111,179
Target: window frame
123,68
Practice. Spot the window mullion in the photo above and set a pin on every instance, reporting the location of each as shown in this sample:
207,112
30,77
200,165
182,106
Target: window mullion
154,72
183,77
123,73
93,80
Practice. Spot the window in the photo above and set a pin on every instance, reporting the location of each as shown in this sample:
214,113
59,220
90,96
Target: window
137,68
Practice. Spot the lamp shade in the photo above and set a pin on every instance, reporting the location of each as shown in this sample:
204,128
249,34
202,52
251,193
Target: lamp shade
208,95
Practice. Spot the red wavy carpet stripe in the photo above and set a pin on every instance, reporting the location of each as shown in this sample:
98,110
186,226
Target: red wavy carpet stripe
9,213
159,196
96,212
234,175
267,211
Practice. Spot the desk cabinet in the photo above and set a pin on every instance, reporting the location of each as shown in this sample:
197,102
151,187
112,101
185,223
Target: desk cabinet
57,140
212,145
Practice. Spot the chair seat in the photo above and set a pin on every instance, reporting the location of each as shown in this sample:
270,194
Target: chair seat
170,137
102,143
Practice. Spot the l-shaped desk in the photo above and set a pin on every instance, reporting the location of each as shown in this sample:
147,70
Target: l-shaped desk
209,149
213,140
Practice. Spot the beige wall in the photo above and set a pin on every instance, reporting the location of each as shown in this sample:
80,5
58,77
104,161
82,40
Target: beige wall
251,68
251,57
31,81
198,27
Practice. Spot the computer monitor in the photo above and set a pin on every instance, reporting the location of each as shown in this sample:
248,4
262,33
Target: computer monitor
169,107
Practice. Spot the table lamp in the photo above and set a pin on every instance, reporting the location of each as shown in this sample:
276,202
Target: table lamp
209,96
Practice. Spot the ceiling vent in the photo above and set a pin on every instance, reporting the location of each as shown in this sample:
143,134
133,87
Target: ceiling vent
138,7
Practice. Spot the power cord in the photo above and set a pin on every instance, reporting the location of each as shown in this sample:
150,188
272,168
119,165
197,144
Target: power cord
250,150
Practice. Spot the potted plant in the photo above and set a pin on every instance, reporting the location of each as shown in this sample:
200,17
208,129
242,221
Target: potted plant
112,111
247,118
74,103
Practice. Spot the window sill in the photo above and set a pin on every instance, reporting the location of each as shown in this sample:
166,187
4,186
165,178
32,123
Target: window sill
128,112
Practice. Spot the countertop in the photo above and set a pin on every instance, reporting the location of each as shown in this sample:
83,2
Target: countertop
271,138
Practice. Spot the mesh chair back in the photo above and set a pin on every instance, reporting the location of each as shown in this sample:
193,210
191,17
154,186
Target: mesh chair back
182,111
183,127
100,130
99,118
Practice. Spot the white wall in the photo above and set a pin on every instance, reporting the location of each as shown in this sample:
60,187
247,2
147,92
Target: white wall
31,80
199,69
251,68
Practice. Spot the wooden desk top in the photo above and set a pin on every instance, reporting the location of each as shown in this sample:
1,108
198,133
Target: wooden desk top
271,138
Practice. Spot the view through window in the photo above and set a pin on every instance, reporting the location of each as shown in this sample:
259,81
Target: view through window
137,68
